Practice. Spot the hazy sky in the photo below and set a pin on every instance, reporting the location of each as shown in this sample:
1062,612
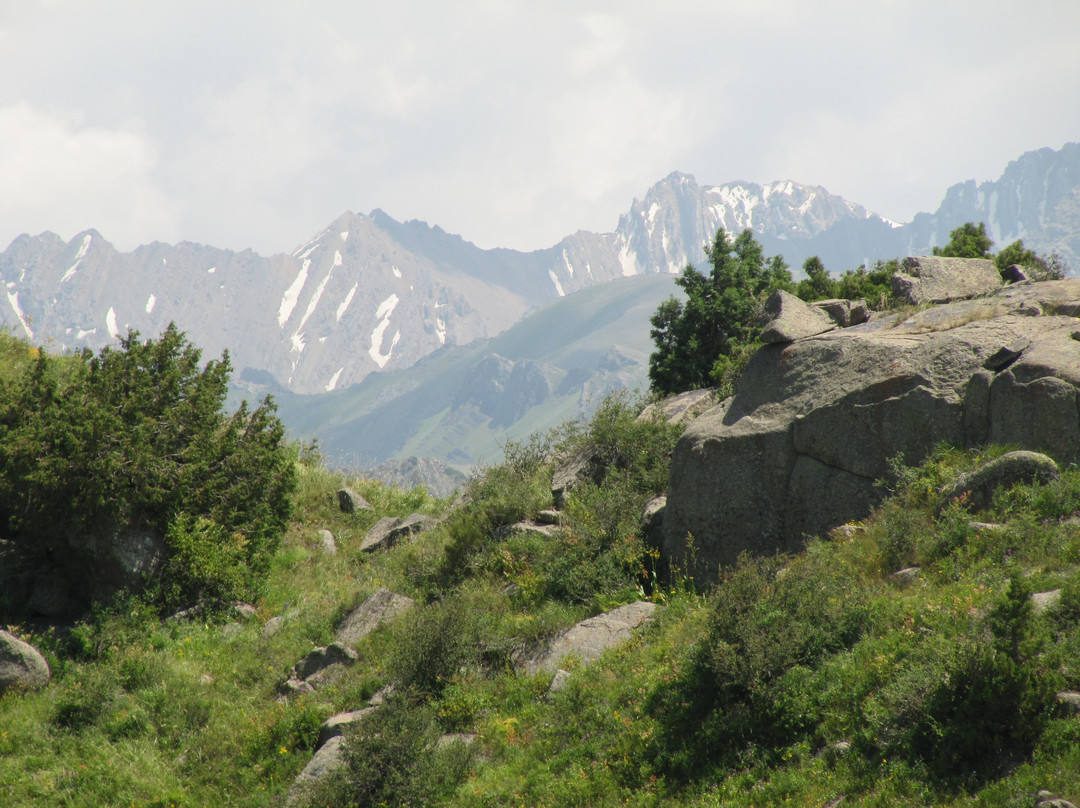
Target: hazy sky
255,124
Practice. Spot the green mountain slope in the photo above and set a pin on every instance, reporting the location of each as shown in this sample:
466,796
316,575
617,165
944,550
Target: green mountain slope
589,342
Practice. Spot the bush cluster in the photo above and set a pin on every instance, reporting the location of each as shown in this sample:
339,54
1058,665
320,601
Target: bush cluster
134,440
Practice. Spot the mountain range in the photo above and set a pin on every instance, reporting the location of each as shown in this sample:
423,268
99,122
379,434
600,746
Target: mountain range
371,309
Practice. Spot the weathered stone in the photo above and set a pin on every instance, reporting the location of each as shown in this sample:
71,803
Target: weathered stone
378,538
787,318
559,681
1070,701
590,638
21,665
681,408
245,611
349,501
570,471
546,531
844,313
329,758
1041,601
976,488
815,422
381,606
273,626
935,279
465,738
411,525
907,575
652,521
548,517
323,664
336,725
327,543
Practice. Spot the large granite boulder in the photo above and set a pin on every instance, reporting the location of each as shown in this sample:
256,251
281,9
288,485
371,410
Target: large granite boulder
934,279
813,423
21,664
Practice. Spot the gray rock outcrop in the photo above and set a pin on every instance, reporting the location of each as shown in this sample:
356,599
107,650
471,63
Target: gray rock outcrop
976,488
381,606
844,312
787,318
349,501
815,422
319,667
588,639
21,664
327,542
934,279
389,530
328,759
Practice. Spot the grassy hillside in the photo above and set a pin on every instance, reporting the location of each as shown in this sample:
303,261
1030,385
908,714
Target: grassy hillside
818,679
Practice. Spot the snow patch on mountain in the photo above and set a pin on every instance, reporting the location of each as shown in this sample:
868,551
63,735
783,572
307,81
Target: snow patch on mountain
150,303
330,385
555,280
110,323
13,299
292,294
386,308
79,256
344,304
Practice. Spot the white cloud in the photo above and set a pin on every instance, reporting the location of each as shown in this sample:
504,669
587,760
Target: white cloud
510,123
60,176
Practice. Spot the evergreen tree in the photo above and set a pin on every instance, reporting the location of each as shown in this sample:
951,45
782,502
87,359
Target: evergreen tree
967,241
698,341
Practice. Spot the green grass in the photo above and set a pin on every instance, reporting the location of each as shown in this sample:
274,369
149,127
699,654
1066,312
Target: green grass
941,688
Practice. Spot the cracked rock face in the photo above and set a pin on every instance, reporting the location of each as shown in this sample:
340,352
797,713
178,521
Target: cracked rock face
814,422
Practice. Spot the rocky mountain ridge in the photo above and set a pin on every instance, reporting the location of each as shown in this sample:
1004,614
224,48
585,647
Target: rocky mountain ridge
369,293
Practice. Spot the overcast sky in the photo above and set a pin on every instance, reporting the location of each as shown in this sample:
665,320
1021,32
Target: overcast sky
255,124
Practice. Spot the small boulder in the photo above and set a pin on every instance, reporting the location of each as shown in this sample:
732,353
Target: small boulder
21,665
977,487
318,668
336,725
787,318
349,501
1041,601
844,313
559,682
412,524
326,541
378,538
587,640
381,606
570,471
548,517
329,759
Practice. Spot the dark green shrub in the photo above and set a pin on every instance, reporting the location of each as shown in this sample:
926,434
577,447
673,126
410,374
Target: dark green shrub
134,440
441,641
749,686
394,758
